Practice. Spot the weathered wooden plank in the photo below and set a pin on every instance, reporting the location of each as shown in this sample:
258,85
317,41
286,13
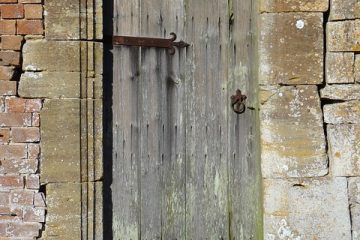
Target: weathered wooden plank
244,185
206,202
126,157
173,112
151,125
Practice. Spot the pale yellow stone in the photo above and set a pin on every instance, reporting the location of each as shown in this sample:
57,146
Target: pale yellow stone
343,36
315,208
292,134
340,113
344,149
294,6
344,9
340,67
291,48
341,92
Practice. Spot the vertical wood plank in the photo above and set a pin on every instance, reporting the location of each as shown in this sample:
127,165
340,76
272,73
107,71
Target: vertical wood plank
126,156
206,165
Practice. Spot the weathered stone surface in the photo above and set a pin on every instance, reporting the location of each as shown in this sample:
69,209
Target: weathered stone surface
42,55
339,113
355,220
344,149
306,209
294,6
340,67
341,92
63,220
50,85
354,191
343,36
292,135
291,48
357,68
60,135
344,9
58,26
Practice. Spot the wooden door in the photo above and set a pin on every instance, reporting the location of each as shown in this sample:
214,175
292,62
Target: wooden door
185,166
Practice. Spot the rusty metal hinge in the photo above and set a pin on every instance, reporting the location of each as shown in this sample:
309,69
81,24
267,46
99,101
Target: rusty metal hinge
150,42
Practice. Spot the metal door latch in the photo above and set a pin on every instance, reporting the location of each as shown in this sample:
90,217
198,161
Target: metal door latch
238,102
151,42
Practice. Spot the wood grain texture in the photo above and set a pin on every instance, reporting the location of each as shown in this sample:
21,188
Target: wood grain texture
185,165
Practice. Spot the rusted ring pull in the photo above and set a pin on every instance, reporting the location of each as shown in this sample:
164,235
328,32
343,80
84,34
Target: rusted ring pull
238,102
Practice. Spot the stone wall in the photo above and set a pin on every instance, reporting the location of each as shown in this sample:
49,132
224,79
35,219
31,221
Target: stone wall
22,206
51,70
310,115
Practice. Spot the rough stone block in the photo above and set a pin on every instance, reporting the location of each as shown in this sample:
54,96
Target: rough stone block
340,113
343,36
291,48
344,149
60,135
60,56
50,85
340,67
357,68
354,191
306,209
294,6
63,217
292,134
344,9
355,220
341,92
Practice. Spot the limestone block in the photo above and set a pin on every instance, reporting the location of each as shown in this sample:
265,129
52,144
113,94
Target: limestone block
341,92
292,135
60,56
63,218
354,191
60,141
357,68
344,149
306,209
344,9
340,67
339,113
291,48
294,6
343,36
355,220
50,85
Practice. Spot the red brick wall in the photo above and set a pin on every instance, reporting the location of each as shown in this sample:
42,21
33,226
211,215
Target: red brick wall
22,206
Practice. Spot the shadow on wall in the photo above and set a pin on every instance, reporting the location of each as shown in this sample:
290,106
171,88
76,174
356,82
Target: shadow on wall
107,118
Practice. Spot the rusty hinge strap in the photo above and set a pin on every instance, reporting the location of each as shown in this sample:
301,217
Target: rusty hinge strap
150,42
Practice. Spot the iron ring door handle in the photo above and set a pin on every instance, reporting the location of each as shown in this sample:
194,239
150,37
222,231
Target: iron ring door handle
238,102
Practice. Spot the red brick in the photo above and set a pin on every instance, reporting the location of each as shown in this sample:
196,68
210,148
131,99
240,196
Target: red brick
9,58
34,215
32,182
39,200
34,27
33,151
6,73
15,104
19,166
15,119
13,151
33,105
4,135
24,198
11,182
33,11
35,120
30,1
8,1
21,230
12,11
4,198
11,42
25,135
8,88
7,26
